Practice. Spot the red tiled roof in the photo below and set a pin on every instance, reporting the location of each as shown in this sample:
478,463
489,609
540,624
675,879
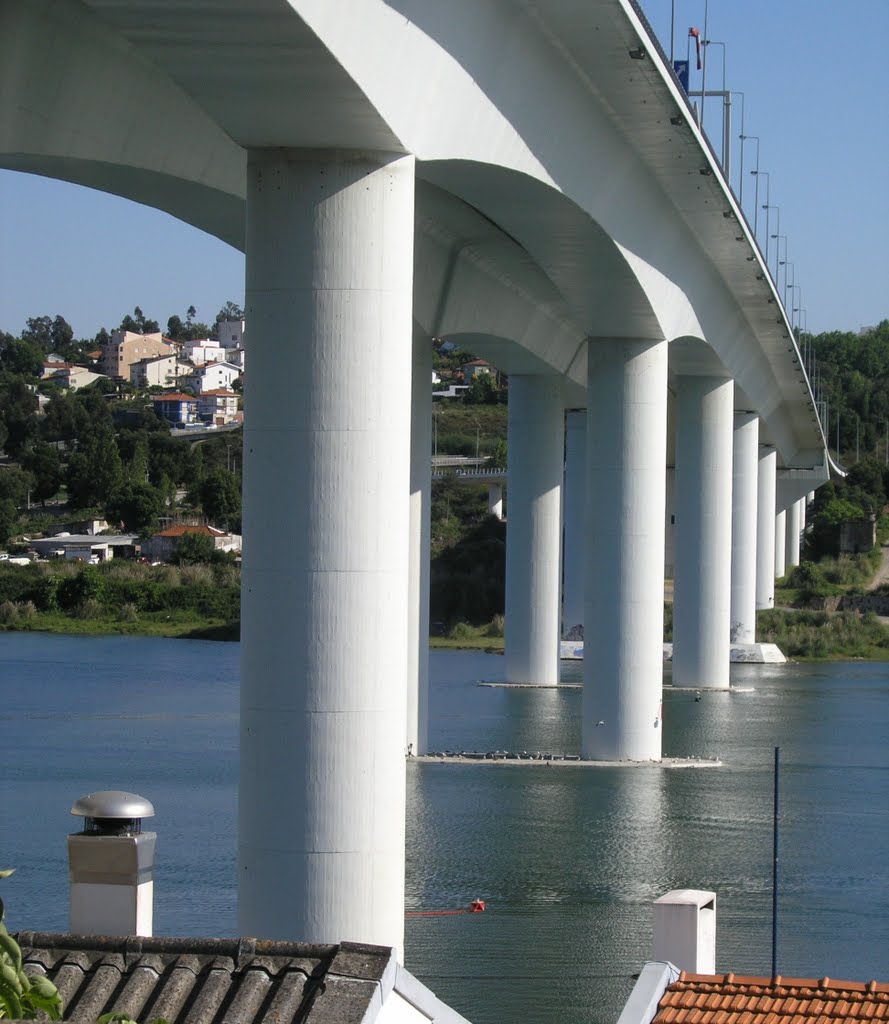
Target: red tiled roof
740,999
174,398
219,393
179,531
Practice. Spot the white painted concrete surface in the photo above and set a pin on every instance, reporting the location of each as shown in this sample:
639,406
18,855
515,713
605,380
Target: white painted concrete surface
765,529
324,630
495,500
104,909
574,519
702,587
624,613
780,536
685,930
420,526
745,454
793,526
535,438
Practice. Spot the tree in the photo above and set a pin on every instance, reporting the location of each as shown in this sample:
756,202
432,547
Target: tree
230,311
498,456
94,470
136,506
44,463
22,357
18,411
15,485
194,548
481,390
220,497
8,520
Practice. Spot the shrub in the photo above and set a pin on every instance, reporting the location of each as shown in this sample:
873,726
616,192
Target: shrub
461,631
9,613
495,626
27,610
89,608
128,613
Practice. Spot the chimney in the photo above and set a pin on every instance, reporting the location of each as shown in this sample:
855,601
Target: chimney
110,865
685,930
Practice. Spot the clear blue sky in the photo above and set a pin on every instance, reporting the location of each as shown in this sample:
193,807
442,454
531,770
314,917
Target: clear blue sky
816,82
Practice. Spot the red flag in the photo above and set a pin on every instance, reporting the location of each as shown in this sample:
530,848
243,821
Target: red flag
694,32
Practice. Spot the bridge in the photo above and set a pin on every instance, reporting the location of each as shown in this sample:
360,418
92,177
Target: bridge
530,182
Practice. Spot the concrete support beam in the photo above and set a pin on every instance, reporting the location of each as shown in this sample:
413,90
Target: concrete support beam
794,518
420,527
765,528
702,591
745,453
624,614
573,520
324,622
780,535
533,532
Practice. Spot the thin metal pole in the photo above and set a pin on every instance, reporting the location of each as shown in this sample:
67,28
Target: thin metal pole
775,868
704,69
672,32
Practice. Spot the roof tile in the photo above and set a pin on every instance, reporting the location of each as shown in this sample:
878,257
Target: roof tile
735,999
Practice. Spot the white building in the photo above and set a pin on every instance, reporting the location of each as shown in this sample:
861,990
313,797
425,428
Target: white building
158,371
218,407
230,333
203,350
214,376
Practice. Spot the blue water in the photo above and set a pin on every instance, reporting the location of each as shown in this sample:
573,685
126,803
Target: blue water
569,860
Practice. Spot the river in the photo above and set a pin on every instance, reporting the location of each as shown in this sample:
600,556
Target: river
569,860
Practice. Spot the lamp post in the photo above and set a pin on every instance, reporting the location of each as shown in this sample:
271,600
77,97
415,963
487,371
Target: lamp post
767,206
788,284
726,101
776,236
758,174
744,138
778,261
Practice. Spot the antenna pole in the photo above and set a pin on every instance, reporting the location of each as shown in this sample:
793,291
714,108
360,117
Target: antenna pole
775,869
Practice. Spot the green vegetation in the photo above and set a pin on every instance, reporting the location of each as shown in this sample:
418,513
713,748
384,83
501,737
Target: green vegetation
23,996
123,597
819,634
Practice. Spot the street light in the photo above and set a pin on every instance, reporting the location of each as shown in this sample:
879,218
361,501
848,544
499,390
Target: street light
726,100
744,138
775,236
778,261
768,206
758,174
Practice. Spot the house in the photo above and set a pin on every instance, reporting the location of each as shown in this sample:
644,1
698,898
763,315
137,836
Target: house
680,984
213,376
218,407
158,371
203,350
162,546
230,333
176,407
474,368
86,547
124,348
236,357
75,377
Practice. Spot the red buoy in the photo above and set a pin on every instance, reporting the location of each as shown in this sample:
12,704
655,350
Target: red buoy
477,906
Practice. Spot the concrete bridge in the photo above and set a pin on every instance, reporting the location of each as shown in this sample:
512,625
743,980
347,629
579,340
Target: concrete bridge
529,181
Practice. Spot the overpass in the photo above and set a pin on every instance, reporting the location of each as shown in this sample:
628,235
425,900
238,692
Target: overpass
527,180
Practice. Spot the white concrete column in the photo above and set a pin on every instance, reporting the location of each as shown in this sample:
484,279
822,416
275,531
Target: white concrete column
702,589
745,457
495,500
793,528
670,523
533,529
780,533
765,528
573,519
624,613
420,526
324,619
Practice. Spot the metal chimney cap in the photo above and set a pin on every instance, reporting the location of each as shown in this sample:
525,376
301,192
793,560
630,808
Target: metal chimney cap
113,803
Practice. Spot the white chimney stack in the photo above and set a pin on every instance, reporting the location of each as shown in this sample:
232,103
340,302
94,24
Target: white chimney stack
685,930
111,866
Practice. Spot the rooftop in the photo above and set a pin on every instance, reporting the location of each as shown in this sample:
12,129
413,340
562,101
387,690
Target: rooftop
208,980
182,528
741,999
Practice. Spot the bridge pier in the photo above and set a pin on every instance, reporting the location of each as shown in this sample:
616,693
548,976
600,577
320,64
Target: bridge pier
535,434
702,592
745,450
765,528
325,575
419,554
780,538
495,500
793,527
573,519
624,613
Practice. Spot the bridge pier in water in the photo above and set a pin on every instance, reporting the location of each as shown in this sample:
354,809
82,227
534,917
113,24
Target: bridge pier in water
745,452
765,528
533,535
780,538
325,576
624,610
702,590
